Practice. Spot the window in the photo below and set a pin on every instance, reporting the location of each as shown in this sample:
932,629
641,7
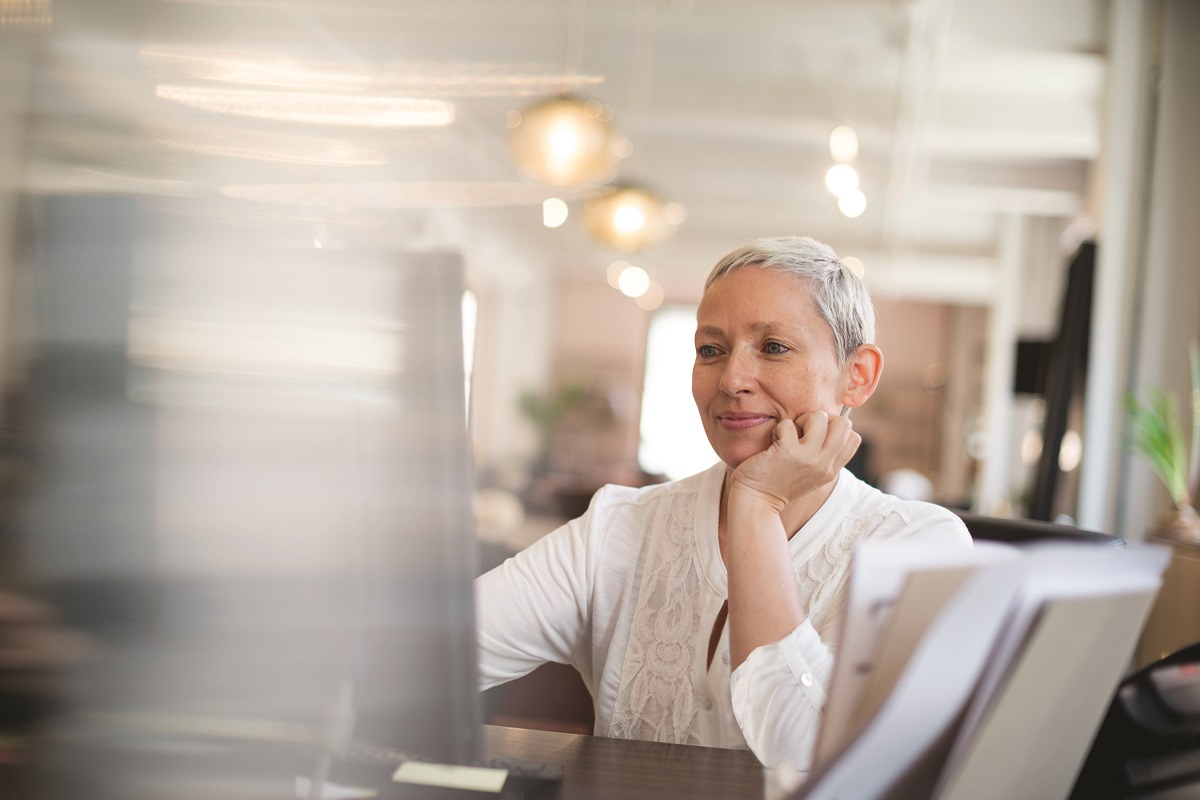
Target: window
470,319
673,441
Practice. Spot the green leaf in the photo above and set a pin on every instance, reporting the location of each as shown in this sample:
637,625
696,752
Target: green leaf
1193,474
1158,435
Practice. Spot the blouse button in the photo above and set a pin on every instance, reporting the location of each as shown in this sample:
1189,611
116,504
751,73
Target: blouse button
806,679
725,657
708,705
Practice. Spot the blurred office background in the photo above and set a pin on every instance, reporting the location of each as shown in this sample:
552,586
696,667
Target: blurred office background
268,159
250,249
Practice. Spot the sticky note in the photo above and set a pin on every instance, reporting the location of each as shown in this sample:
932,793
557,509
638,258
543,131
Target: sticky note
332,791
475,779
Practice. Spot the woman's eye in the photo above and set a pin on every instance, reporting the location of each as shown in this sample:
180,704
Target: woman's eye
775,348
706,351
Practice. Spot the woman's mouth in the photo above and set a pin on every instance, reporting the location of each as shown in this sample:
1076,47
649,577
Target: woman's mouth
742,421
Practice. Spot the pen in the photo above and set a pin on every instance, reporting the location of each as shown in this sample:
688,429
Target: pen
845,411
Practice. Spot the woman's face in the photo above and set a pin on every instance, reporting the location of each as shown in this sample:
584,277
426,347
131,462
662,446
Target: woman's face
763,353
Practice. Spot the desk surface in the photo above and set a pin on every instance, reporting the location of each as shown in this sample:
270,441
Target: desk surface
593,767
597,767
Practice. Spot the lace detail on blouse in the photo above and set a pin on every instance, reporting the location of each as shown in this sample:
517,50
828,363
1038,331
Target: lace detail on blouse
656,698
821,575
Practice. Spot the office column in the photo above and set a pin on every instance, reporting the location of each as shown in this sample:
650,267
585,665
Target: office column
1126,151
992,487
1169,313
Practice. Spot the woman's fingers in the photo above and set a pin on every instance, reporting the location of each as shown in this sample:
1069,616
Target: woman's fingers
849,448
827,438
814,427
806,453
786,431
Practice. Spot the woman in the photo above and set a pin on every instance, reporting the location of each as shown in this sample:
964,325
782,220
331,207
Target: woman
707,610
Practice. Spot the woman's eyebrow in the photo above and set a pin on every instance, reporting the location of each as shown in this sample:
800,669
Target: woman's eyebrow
756,327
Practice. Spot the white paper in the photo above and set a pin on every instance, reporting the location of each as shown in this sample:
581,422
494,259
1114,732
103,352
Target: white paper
917,722
475,779
878,576
1104,592
1018,666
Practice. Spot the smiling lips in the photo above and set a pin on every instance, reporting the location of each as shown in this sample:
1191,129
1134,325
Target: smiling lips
742,420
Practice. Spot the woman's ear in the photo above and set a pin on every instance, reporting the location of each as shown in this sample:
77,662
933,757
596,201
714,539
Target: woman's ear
862,373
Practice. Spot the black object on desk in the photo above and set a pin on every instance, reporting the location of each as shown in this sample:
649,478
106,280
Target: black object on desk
1148,747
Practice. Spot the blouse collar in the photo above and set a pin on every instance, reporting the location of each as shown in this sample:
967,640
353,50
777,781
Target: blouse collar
708,507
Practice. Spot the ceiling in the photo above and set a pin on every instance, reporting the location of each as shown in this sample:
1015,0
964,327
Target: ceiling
966,111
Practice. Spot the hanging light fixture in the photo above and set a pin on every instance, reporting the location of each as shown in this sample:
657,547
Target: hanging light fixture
564,142
842,179
628,217
25,14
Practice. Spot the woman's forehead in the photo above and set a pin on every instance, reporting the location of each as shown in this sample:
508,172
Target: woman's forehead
754,287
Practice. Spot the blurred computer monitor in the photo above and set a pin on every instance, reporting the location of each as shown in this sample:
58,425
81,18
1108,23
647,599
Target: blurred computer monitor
254,494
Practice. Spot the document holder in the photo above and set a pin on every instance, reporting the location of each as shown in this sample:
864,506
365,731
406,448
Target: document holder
1006,683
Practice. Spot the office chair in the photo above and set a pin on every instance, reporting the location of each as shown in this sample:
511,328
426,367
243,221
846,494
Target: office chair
1023,531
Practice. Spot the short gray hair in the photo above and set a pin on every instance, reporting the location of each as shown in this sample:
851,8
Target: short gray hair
840,297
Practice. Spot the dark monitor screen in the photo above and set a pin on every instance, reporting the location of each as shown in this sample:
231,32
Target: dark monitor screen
1031,366
254,495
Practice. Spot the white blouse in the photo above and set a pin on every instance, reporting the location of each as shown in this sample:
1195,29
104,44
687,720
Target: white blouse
628,595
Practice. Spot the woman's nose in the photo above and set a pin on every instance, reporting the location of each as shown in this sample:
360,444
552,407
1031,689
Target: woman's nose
738,375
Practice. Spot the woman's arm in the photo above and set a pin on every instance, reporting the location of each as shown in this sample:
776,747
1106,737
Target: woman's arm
779,691
764,598
780,667
770,497
533,608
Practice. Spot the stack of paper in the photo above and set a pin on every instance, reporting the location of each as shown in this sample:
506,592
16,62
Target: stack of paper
979,673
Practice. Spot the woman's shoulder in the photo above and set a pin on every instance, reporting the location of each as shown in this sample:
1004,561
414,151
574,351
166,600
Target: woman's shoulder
612,530
613,496
901,516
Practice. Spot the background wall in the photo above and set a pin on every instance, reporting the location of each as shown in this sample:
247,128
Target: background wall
986,132
1148,288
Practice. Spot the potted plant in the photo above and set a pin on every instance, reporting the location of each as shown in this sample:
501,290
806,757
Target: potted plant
548,411
1157,434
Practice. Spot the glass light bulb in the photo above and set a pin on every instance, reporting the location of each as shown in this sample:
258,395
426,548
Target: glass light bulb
559,143
634,282
564,140
843,143
554,212
840,179
853,204
628,219
613,273
652,298
855,265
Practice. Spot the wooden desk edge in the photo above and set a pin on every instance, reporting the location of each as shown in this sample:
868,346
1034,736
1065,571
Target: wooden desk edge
595,766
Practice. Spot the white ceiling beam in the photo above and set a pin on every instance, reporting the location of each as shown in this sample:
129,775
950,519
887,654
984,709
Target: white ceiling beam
957,280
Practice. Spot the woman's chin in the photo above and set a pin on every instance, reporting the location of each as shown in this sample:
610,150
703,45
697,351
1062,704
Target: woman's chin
733,457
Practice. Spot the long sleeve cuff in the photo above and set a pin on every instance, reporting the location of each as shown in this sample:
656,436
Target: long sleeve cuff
778,694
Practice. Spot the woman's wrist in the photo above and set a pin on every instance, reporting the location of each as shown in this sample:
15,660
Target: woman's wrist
745,498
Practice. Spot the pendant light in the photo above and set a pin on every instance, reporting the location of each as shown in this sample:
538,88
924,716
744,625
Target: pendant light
565,142
627,216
